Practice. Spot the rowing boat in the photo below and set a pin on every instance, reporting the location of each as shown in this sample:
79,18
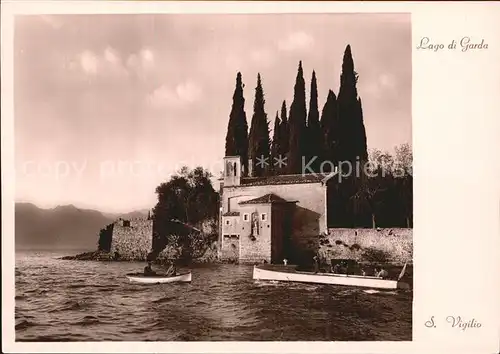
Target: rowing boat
281,273
159,278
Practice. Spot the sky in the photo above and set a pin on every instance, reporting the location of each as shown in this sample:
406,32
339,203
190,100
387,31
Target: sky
106,107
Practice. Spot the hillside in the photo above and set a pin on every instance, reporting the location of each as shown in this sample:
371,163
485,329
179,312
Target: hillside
132,215
63,227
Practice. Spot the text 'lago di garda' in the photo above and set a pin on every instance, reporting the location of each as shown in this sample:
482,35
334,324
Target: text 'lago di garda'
464,44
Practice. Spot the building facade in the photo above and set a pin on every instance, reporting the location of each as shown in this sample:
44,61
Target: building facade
269,218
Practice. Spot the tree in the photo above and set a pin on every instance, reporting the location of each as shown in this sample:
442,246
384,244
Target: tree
353,199
184,202
259,141
314,141
404,190
367,199
374,156
359,128
404,158
285,131
237,129
386,193
105,238
403,162
329,130
275,147
297,124
381,162
352,135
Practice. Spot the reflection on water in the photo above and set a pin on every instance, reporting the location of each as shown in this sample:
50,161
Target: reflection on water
60,300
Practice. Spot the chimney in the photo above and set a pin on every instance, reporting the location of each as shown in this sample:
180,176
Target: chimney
250,168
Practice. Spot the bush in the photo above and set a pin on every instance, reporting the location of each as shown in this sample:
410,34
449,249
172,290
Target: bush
374,255
355,247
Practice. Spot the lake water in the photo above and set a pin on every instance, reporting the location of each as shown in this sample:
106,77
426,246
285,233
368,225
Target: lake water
60,300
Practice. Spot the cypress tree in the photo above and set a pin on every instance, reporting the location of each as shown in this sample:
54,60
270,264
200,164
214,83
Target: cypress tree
275,147
351,127
297,124
352,139
259,142
362,148
329,130
237,129
313,127
285,131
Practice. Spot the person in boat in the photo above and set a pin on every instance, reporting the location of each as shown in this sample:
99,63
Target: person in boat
335,269
339,267
316,264
172,270
381,273
345,267
148,270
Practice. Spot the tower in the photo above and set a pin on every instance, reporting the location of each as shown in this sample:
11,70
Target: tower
232,171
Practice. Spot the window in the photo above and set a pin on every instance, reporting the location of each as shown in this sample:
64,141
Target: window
246,217
234,169
228,222
263,216
126,223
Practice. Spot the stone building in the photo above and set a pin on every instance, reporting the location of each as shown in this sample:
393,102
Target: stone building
269,218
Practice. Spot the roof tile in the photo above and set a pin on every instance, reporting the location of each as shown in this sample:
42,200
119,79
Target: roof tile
231,213
265,199
283,179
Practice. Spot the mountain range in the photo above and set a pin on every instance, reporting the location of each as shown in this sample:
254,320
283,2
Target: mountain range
63,227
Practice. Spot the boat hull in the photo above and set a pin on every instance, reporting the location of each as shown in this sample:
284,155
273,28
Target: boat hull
158,279
327,278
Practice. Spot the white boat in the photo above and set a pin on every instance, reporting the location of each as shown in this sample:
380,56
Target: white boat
281,273
159,278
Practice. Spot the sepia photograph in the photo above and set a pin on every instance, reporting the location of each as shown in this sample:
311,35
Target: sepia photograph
213,177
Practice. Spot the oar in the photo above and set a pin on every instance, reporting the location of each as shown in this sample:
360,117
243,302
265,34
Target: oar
187,225
402,271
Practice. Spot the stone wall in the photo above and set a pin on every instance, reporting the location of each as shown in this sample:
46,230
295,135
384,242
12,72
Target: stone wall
132,239
256,247
231,249
231,225
389,245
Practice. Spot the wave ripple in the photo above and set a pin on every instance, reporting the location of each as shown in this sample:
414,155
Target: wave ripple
60,300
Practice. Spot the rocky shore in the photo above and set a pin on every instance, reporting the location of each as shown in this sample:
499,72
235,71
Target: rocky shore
91,256
210,256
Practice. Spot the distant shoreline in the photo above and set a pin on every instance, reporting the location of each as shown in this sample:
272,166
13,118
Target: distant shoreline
75,251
